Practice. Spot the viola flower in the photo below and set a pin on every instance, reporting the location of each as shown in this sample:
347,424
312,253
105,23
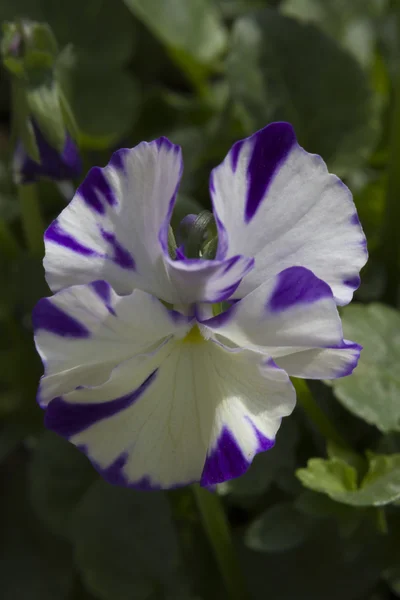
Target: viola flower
138,373
53,164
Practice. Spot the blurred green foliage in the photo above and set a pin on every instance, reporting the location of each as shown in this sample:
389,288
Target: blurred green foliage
311,519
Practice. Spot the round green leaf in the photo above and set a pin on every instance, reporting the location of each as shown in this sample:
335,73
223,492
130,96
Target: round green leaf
280,69
59,475
372,392
125,543
105,105
279,528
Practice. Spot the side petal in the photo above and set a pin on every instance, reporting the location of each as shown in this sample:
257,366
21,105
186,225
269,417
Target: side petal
83,332
278,203
320,363
161,420
294,308
111,229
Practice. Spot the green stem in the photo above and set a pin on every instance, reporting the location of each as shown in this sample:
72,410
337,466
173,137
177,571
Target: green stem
381,521
8,244
316,414
391,238
218,532
32,221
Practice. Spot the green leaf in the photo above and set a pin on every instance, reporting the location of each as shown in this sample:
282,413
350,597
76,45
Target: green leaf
125,543
191,29
45,108
59,477
333,477
373,390
105,105
33,563
280,69
279,528
380,486
352,24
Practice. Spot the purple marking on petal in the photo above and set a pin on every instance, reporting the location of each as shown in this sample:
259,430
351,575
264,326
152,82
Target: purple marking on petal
354,220
68,419
117,160
121,256
211,183
103,290
264,443
297,285
164,141
271,147
219,320
225,461
222,238
353,282
230,264
271,363
95,188
226,293
234,154
54,233
350,366
46,315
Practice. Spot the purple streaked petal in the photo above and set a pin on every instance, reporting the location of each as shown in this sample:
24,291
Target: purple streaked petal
271,147
104,291
55,234
47,316
353,282
68,419
297,285
276,202
95,189
121,256
227,460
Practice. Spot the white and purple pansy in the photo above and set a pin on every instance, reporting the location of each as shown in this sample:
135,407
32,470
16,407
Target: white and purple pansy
167,371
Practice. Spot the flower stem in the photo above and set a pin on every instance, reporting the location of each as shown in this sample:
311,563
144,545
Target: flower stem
8,244
390,237
32,221
316,414
218,532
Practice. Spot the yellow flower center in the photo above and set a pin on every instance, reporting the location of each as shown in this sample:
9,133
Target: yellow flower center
194,336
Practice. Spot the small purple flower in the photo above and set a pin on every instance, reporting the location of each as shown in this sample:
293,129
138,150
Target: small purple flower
53,164
160,397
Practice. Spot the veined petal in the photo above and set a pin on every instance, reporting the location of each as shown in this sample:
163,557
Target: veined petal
116,229
111,229
278,203
294,308
83,332
191,411
319,363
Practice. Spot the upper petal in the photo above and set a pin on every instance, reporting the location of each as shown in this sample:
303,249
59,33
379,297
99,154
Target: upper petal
278,203
116,229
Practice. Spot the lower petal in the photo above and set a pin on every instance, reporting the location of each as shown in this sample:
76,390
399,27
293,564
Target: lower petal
191,411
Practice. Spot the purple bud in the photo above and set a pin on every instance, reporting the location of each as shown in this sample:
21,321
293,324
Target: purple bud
53,164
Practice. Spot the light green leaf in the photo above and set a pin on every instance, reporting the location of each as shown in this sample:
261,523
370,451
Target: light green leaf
380,486
60,475
373,390
190,27
279,528
125,543
280,69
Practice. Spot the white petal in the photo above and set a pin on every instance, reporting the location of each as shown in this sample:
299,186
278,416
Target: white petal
164,419
294,308
319,363
116,229
278,203
83,332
